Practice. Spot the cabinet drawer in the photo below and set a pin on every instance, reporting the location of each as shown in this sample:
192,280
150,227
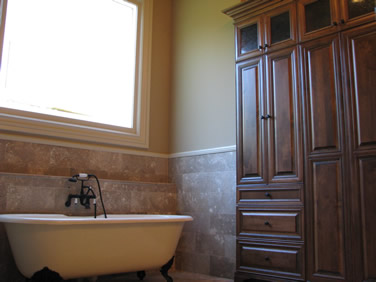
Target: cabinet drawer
270,195
286,223
272,259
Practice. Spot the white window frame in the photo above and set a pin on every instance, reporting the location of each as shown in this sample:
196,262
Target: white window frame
58,129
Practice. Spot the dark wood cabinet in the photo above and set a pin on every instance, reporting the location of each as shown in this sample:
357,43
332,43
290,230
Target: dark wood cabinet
269,146
306,140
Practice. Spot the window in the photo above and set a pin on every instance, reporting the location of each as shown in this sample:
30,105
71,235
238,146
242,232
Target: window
76,69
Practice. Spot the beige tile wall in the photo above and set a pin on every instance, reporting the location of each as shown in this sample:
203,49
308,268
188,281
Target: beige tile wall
206,190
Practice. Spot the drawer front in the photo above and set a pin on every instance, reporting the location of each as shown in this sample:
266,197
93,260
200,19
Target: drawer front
278,260
286,223
270,195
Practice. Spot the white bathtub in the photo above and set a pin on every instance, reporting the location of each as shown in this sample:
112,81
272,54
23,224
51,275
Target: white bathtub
77,246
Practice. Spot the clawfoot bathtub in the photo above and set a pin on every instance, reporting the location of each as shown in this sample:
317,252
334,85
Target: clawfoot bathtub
80,246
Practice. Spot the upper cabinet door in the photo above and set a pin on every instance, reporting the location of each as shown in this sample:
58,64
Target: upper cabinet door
249,39
280,28
360,65
322,17
355,12
273,29
317,18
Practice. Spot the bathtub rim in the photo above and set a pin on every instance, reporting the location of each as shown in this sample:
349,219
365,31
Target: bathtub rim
61,219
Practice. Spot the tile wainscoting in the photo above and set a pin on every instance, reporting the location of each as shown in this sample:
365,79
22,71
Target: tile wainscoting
206,190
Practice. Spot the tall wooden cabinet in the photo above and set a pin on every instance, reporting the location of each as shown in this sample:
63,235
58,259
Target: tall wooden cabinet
306,140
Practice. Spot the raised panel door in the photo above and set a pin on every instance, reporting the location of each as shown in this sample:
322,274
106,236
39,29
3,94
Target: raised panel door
367,185
250,129
325,221
323,95
283,117
360,51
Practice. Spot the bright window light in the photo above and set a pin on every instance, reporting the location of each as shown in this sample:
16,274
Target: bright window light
71,58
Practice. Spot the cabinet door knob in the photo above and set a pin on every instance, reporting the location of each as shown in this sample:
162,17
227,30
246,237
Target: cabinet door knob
268,116
268,195
342,21
262,117
335,23
260,47
266,46
267,259
267,223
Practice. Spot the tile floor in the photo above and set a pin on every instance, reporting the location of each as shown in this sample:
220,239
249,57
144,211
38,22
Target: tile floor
155,276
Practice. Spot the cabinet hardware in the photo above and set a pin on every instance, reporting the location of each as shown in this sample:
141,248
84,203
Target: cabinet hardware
267,223
260,47
342,21
335,23
266,46
267,259
267,194
266,117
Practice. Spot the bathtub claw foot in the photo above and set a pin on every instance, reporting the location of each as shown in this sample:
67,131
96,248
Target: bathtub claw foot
45,275
164,270
141,275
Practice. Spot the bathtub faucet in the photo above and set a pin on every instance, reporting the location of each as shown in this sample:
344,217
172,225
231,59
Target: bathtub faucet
86,193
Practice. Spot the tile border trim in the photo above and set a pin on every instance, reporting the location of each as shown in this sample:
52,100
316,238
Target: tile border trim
203,152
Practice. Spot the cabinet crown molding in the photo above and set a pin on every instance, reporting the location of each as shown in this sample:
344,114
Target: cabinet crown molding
250,8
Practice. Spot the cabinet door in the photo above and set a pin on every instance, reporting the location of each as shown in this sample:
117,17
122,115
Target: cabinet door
324,201
366,167
322,95
325,220
317,18
360,51
280,28
249,39
283,117
357,12
250,129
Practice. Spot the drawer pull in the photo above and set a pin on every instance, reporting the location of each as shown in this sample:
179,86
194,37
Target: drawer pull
268,195
267,259
267,223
